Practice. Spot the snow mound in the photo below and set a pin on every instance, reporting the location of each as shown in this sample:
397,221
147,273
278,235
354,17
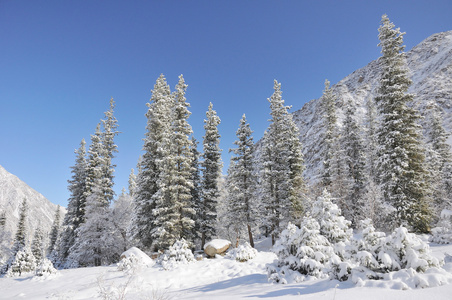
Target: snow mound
404,279
134,259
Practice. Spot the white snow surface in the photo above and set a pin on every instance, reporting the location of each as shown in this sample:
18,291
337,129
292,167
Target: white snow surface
224,278
217,243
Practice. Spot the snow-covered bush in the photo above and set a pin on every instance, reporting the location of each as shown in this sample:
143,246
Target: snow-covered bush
242,253
128,264
442,233
367,245
23,263
179,253
400,250
333,225
404,250
45,268
302,252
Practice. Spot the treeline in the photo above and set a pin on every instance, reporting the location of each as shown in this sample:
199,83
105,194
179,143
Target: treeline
389,171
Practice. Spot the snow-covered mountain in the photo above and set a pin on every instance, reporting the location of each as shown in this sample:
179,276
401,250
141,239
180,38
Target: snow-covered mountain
430,65
13,191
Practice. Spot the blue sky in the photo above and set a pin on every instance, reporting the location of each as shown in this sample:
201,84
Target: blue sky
61,62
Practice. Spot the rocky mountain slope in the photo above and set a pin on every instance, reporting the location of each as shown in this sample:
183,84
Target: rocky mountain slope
430,65
13,191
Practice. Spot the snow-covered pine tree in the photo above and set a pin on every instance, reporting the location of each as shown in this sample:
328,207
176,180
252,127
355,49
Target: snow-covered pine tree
163,232
20,239
23,262
37,245
353,150
54,232
75,214
122,213
95,169
5,240
371,139
373,207
96,240
143,226
283,188
332,224
110,125
334,177
241,183
439,160
196,189
328,104
401,163
181,177
211,172
303,250
132,183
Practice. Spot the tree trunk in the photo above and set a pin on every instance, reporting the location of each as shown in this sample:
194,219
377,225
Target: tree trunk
250,234
203,240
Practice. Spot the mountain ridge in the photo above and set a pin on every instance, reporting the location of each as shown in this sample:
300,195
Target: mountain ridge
430,68
41,212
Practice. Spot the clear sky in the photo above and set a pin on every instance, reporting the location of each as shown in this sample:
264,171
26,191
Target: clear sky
62,61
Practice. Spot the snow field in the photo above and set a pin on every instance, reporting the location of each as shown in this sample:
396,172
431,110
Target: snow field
225,278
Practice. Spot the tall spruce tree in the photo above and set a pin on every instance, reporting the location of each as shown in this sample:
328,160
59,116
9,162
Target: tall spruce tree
371,139
353,150
95,242
182,184
211,172
373,207
148,190
54,232
174,214
330,136
163,232
95,168
241,183
110,125
75,214
196,189
132,183
401,164
283,188
439,159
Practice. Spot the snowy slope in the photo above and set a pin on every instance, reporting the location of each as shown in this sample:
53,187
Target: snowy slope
430,65
219,278
13,191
